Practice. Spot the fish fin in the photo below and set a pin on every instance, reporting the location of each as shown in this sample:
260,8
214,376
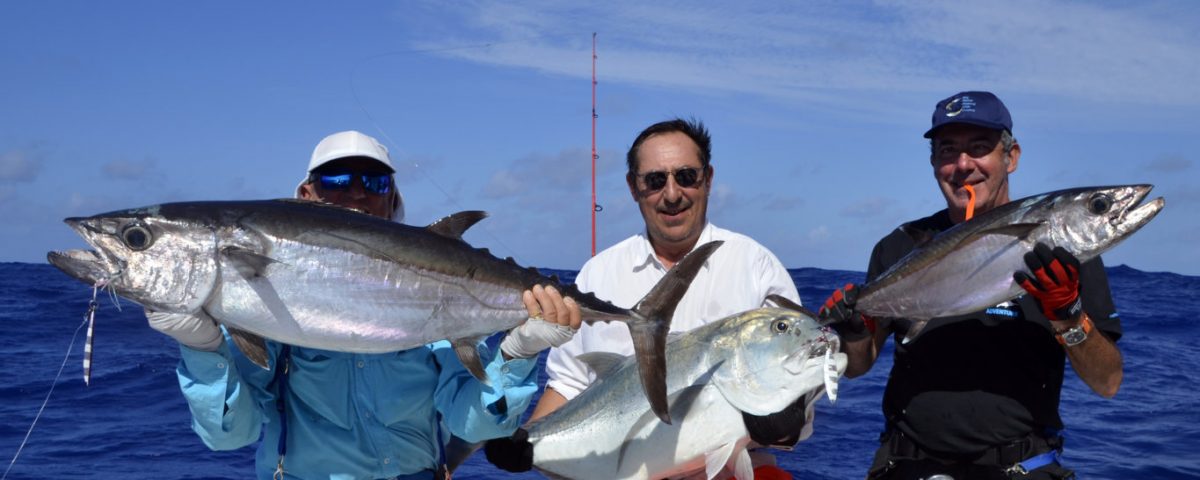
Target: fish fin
743,468
914,329
251,345
651,320
919,236
468,353
603,363
784,302
248,263
716,460
453,225
1019,230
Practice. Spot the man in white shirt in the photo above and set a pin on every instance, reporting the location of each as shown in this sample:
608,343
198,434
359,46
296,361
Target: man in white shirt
670,177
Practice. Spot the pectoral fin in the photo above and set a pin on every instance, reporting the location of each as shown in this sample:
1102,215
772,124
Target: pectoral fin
732,453
1017,230
251,345
468,353
248,263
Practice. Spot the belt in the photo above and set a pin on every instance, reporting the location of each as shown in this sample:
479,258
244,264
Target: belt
1019,457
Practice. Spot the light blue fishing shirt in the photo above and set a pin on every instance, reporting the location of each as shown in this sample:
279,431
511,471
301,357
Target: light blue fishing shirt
352,416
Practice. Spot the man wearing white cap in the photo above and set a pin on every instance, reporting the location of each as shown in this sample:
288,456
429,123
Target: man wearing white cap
325,414
330,179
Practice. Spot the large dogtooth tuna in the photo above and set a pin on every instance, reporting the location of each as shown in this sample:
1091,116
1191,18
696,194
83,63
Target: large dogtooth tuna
970,266
327,277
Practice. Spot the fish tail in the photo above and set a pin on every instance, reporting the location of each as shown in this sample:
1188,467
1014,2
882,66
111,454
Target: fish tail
650,320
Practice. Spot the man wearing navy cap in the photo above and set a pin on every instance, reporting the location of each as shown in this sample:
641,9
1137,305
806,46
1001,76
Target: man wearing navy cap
977,395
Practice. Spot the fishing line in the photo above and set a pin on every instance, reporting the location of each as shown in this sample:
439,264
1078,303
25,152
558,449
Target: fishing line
388,139
86,321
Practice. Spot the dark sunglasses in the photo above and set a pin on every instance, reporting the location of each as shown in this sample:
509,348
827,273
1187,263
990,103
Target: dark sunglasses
377,183
686,177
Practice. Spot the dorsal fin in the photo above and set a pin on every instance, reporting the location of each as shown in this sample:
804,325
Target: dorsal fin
919,237
453,225
603,363
784,302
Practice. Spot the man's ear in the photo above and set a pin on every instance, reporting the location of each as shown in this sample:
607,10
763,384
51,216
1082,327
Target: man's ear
307,192
1013,157
631,180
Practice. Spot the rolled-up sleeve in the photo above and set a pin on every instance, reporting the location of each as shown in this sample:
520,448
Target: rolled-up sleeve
475,411
225,414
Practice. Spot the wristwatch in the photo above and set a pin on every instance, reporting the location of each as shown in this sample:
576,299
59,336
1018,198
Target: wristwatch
1075,335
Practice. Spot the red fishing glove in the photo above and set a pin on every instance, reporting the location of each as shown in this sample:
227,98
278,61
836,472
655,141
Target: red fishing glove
838,312
1054,283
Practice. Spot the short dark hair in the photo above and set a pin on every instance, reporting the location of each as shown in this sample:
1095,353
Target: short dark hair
693,128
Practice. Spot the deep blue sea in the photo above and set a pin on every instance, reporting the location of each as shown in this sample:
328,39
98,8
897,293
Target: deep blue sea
132,422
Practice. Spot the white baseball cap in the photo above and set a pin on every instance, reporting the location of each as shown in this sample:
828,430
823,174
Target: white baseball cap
349,144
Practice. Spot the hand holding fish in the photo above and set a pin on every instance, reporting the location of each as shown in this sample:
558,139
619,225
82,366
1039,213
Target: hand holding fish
838,313
553,320
198,331
511,454
1054,283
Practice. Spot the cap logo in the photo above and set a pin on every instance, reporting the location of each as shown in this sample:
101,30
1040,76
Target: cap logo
960,105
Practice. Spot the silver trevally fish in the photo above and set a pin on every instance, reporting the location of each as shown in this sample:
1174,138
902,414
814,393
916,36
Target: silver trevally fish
970,266
327,277
759,362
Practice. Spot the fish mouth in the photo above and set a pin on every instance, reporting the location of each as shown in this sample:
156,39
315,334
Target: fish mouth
89,266
84,265
819,350
1135,214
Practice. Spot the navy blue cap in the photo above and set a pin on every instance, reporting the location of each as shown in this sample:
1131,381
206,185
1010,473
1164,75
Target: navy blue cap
975,108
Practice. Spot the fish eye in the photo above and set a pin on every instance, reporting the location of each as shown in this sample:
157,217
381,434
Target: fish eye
781,326
137,237
1100,203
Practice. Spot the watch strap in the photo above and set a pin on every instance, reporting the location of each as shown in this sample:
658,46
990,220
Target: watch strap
1075,335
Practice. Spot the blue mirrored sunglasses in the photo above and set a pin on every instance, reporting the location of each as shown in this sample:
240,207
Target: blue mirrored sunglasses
377,183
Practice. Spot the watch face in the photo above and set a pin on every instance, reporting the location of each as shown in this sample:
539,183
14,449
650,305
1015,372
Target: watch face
1074,336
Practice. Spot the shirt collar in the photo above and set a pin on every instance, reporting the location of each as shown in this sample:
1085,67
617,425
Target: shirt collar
644,252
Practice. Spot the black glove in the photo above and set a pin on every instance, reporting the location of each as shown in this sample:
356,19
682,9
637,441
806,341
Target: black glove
1054,283
779,429
838,312
513,454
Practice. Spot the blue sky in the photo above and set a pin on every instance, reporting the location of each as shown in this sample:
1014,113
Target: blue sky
816,110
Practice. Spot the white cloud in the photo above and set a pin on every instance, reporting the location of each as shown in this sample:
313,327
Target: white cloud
818,234
18,166
1169,164
820,53
133,170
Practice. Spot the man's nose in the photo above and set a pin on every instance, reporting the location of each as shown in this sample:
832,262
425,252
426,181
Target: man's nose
672,192
357,189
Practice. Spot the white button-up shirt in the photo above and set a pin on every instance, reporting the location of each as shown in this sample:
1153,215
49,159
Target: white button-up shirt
737,277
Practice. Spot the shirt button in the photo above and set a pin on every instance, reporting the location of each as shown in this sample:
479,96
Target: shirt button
360,364
504,369
387,461
220,365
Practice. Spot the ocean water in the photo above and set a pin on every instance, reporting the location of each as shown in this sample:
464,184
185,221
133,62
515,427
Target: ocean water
132,423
